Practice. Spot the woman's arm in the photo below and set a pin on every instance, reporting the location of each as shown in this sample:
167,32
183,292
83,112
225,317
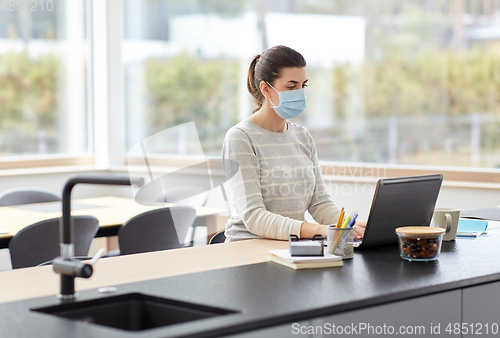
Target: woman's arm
308,230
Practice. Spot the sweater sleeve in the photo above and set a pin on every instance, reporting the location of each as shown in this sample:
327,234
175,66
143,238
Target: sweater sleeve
241,166
321,208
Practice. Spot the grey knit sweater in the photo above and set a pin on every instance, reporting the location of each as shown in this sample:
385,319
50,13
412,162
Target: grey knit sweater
278,178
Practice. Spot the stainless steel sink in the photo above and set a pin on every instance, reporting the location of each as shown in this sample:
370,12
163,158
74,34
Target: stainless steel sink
134,311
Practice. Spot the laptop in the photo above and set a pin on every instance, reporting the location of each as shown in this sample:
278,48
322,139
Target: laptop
403,201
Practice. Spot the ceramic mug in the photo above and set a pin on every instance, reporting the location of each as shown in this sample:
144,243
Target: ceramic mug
447,218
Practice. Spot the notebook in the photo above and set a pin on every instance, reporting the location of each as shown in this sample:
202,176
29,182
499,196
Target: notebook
404,201
471,227
283,257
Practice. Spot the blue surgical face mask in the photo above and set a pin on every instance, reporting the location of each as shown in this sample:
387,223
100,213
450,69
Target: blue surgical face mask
292,103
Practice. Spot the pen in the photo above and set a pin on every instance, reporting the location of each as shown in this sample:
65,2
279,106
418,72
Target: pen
346,221
353,220
467,234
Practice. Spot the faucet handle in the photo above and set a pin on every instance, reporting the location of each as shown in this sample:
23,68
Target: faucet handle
97,256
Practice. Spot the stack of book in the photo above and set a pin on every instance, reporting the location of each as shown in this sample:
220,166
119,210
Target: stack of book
304,262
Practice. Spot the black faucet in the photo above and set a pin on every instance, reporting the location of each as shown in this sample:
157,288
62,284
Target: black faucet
66,265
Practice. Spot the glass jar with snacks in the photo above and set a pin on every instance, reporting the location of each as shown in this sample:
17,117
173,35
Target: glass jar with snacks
420,243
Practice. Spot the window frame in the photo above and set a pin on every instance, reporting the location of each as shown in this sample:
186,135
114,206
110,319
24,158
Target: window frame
45,161
477,177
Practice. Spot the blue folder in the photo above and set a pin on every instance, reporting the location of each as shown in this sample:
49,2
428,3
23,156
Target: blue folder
471,226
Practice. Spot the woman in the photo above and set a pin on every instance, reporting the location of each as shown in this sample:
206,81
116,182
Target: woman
278,176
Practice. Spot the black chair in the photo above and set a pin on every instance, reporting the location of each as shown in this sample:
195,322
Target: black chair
20,196
219,237
154,230
186,195
39,242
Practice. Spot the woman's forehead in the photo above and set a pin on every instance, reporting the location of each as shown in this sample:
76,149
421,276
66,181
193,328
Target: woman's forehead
293,74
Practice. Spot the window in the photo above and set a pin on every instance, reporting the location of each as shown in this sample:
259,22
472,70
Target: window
402,82
44,100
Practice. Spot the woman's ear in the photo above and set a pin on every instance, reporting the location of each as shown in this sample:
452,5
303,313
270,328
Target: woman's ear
264,89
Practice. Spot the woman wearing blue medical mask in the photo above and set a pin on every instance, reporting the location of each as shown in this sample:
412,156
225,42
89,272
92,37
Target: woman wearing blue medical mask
277,176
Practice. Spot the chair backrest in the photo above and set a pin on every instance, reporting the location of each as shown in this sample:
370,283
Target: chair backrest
39,242
27,196
189,195
154,230
219,237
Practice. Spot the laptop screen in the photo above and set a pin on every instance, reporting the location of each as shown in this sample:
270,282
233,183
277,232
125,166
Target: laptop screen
400,202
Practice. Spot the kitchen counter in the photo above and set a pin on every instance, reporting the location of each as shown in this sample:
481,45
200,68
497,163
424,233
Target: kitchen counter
268,294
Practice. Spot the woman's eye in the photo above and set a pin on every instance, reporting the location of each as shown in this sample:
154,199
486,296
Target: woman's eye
304,85
291,87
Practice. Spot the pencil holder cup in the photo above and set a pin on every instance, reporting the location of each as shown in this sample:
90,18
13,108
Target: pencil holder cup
340,242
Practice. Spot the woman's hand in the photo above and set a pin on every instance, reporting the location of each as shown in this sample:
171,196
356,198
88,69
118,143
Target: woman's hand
359,229
308,230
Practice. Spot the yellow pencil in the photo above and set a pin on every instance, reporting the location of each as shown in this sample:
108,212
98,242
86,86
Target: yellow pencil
341,218
339,224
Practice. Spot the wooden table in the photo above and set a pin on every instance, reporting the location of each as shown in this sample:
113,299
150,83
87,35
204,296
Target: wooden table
110,211
42,281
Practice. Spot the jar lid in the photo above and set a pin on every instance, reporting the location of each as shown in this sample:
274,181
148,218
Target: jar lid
420,230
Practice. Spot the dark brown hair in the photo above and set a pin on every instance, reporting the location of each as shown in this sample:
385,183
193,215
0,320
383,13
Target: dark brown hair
267,67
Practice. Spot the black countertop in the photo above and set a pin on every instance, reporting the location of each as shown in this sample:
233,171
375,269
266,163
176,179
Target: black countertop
269,294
